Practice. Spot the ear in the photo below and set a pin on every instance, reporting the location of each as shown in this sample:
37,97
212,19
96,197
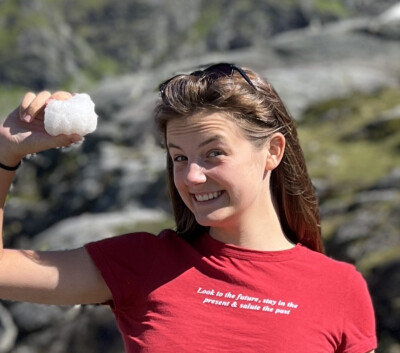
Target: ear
276,149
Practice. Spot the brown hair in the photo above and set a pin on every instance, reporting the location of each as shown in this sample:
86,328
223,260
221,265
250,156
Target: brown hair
259,111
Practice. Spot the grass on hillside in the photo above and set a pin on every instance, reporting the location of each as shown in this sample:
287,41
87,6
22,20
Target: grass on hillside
340,157
333,151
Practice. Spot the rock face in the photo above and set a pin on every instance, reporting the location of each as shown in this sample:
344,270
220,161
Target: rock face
65,37
370,239
387,24
114,182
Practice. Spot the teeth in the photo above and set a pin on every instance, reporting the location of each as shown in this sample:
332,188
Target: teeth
210,196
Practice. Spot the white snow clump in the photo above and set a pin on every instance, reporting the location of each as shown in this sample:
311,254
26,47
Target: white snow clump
73,116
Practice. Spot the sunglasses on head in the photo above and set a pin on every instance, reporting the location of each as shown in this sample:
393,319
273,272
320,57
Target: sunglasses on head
213,72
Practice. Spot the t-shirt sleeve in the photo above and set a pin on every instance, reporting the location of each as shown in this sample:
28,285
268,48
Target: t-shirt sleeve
124,263
359,335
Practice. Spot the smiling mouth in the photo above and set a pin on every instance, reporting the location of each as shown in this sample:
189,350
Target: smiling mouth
207,197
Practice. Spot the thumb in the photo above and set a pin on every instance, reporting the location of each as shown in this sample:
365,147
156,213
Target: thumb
65,140
70,139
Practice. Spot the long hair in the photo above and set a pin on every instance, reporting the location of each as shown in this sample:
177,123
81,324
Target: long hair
259,111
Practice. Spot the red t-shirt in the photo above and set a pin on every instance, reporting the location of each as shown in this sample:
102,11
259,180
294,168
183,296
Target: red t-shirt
171,296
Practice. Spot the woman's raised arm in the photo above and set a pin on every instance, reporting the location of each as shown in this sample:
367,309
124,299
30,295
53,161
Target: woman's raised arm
61,277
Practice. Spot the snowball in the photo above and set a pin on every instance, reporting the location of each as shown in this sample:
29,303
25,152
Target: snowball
73,116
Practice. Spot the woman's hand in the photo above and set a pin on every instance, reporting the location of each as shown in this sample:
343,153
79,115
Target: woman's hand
23,133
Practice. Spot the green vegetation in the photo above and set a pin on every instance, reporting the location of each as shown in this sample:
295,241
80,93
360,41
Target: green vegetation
335,149
202,27
329,8
375,259
343,155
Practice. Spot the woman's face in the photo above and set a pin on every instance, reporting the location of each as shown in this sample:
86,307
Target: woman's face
220,175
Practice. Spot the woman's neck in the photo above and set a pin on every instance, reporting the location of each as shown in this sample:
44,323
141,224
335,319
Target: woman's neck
265,235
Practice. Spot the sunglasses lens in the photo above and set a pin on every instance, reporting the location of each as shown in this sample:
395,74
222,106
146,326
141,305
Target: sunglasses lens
163,85
219,70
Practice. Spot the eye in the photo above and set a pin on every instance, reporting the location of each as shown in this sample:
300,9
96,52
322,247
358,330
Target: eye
215,153
179,158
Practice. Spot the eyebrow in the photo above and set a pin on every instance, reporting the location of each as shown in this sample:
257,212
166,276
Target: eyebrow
202,144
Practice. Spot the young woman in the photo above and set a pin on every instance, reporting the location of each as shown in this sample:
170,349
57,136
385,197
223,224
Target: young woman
244,269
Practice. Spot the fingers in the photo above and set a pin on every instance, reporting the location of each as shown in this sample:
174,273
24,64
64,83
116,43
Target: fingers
26,101
32,106
36,105
67,140
60,95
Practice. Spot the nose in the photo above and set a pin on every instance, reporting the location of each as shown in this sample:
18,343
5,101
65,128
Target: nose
195,174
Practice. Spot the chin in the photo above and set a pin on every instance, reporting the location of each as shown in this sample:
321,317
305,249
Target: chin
213,221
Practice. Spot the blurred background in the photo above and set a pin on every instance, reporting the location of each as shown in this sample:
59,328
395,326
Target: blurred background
336,64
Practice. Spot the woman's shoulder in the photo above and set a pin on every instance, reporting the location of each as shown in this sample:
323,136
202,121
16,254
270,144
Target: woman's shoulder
165,235
326,264
143,242
339,280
